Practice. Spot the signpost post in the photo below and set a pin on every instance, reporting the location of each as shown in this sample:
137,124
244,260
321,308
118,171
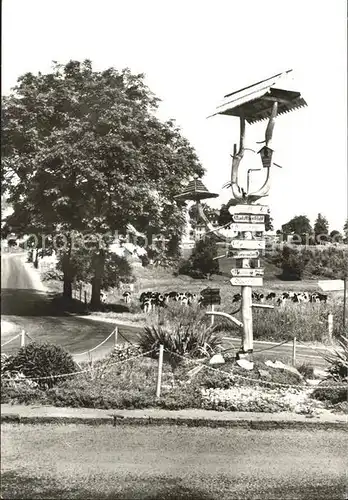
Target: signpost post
248,221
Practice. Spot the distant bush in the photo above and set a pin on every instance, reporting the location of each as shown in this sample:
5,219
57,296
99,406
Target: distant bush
293,264
41,360
309,261
201,262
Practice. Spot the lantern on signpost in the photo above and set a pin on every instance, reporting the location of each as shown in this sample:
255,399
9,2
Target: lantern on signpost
196,191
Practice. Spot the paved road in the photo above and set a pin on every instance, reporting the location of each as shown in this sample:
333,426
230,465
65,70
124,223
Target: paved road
126,462
25,304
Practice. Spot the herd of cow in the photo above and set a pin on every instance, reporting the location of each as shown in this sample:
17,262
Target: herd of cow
152,300
282,298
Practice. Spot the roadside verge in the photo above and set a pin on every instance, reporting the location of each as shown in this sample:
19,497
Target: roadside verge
22,414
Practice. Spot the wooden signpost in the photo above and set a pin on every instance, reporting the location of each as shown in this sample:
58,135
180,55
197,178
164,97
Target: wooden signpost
248,220
245,254
249,209
247,272
251,104
238,281
248,244
243,227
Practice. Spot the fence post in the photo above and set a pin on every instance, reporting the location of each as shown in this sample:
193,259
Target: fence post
23,338
91,363
294,352
212,316
85,293
159,374
115,337
80,291
330,325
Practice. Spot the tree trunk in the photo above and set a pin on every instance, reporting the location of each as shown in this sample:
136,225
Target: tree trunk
36,261
67,288
67,274
99,263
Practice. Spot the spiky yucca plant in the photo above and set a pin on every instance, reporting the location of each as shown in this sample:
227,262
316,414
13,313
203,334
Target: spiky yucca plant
182,331
338,361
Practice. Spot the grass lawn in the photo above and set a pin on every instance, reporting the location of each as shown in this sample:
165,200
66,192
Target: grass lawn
172,463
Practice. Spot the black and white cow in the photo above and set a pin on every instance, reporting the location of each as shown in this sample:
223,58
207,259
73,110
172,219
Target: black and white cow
127,297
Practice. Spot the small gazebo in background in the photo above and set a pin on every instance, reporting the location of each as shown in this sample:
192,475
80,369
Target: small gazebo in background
194,191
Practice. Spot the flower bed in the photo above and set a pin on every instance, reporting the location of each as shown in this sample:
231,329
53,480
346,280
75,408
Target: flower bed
257,399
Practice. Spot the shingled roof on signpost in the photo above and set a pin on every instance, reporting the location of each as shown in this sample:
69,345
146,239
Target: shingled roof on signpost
196,191
255,101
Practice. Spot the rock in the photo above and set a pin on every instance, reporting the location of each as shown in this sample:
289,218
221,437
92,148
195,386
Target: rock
244,363
265,373
217,359
282,366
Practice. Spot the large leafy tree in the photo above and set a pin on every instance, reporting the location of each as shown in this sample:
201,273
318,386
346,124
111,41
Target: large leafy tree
321,229
83,151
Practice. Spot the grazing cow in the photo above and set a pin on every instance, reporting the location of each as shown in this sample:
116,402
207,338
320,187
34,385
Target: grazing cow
258,297
127,296
318,297
236,297
271,296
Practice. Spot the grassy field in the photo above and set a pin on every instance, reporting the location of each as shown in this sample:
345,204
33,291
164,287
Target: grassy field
306,321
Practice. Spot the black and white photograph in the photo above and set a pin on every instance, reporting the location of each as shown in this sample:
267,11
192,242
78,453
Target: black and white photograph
174,250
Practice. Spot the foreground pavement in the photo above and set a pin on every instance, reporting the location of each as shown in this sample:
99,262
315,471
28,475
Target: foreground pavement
170,462
322,419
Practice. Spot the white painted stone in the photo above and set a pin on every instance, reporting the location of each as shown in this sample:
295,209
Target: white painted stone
244,363
217,359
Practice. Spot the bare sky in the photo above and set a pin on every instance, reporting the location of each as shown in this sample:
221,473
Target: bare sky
193,53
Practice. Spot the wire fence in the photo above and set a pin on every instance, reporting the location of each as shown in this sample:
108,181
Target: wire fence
107,364
115,333
235,376
102,367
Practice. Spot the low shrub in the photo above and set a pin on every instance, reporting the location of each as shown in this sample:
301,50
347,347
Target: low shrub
306,370
51,274
336,394
41,360
180,398
21,392
122,352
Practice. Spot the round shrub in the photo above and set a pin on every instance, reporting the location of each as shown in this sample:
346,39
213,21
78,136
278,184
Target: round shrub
336,394
42,360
